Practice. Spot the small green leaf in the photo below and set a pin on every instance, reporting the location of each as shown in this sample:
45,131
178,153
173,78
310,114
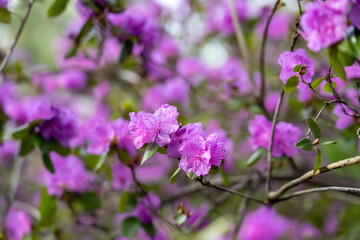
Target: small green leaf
314,127
335,63
305,144
57,8
126,50
327,87
327,143
225,177
254,157
129,227
318,160
151,149
316,83
297,68
100,161
88,201
214,170
27,145
123,201
172,179
291,84
86,28
191,175
24,130
149,228
303,72
48,163
46,146
47,209
180,219
162,150
5,16
345,58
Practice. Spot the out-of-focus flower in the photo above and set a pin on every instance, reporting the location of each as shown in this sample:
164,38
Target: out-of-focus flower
122,178
4,3
99,137
157,127
344,120
192,69
323,23
70,174
271,100
279,25
174,90
145,205
285,136
155,170
353,72
17,225
9,149
263,223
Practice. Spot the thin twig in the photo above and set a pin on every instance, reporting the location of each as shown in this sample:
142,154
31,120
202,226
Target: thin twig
321,189
262,52
343,163
18,34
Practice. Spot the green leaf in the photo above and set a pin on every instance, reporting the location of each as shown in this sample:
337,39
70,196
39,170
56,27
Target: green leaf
86,28
123,201
88,201
327,87
335,63
48,163
297,68
327,143
5,16
291,84
129,227
314,127
303,72
180,219
149,228
316,83
345,58
24,130
151,149
46,146
214,170
254,157
47,209
172,179
305,144
27,145
225,177
100,161
191,175
162,150
318,160
57,8
126,50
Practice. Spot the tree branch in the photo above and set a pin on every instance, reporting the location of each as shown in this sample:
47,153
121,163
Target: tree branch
343,163
18,34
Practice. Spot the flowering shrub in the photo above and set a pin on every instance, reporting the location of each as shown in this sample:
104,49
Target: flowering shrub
155,119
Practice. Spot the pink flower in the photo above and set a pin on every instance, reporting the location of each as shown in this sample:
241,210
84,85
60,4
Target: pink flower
323,23
99,136
122,177
70,174
17,225
285,136
157,127
344,120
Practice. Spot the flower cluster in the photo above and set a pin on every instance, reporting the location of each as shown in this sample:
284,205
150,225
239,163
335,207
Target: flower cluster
285,136
198,151
323,23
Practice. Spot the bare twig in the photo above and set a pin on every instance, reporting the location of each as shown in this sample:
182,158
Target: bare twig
262,51
321,189
18,34
343,163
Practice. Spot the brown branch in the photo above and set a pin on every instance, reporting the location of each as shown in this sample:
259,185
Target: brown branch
262,52
343,163
18,34
315,190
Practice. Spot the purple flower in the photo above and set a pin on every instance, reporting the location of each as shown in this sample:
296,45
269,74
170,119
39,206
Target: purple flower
263,223
323,23
70,174
344,120
4,3
63,126
354,15
9,149
85,10
99,136
72,79
120,127
155,170
17,225
271,100
353,71
192,69
173,90
145,205
279,25
185,133
157,127
122,177
288,60
285,137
